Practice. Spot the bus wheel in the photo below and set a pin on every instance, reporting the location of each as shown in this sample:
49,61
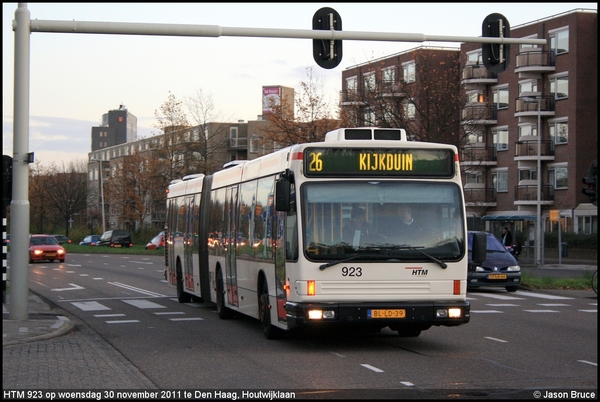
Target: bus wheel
182,297
264,312
223,312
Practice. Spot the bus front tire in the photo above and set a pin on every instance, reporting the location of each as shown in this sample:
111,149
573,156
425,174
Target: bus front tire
264,310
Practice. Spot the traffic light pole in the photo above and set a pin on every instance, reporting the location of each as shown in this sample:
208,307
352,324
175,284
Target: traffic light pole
24,26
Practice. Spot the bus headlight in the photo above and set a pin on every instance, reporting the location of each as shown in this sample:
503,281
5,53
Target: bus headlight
321,314
453,312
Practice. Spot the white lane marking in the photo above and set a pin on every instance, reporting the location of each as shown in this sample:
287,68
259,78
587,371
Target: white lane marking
553,304
143,304
588,311
129,287
542,311
142,262
90,306
72,265
499,296
495,339
108,315
502,305
187,319
375,369
121,322
73,287
486,311
168,312
588,362
407,383
543,296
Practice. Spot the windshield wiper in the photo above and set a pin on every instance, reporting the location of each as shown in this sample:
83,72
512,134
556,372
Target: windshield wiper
332,263
432,258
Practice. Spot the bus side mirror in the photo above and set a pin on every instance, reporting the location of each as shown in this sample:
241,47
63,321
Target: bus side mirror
479,252
282,194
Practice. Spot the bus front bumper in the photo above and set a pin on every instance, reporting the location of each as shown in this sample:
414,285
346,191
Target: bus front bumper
378,314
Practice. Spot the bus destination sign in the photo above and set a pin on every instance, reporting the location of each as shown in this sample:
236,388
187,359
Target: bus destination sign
328,162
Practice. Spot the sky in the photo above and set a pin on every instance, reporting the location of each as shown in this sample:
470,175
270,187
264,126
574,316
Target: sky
76,78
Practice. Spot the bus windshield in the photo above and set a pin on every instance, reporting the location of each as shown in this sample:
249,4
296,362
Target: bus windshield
382,220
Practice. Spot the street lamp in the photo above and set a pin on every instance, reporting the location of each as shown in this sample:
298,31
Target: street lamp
538,224
101,192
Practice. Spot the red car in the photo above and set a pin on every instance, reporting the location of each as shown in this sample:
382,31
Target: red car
156,243
45,247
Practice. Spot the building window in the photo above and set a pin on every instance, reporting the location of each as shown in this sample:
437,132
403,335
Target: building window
475,97
233,136
559,40
500,139
351,85
474,58
501,98
473,177
409,110
528,46
408,72
370,116
369,82
388,75
253,144
500,181
559,132
474,137
558,177
526,130
527,174
528,86
559,86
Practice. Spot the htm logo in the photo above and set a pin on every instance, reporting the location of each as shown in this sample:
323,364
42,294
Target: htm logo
419,272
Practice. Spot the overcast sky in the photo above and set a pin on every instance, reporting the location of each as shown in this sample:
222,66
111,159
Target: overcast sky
75,78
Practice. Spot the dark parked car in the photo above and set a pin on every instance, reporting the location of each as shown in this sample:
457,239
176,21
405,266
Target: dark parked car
115,238
90,240
499,269
62,239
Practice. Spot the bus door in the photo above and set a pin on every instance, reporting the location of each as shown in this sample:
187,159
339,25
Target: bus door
231,235
189,240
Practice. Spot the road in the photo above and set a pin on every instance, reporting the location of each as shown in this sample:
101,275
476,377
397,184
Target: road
515,342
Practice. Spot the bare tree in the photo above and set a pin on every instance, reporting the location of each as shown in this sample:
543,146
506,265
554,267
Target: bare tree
211,137
170,149
309,122
66,190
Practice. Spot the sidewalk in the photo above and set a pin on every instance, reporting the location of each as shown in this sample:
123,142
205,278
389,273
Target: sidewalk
50,351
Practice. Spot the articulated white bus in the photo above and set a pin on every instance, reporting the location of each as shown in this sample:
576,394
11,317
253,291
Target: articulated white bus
313,235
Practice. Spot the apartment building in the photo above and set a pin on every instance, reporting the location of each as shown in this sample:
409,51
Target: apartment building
546,98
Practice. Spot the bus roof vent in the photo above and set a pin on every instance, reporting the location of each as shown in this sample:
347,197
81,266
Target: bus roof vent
366,133
233,163
192,176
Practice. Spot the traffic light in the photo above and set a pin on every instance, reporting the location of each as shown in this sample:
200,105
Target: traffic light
6,178
327,53
590,182
495,55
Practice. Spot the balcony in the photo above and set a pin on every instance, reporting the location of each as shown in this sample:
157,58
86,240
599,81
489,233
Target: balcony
479,113
480,196
535,61
238,143
478,74
478,156
526,107
527,150
527,195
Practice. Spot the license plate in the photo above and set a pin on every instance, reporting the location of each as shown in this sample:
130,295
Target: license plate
387,313
497,276
117,245
51,255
